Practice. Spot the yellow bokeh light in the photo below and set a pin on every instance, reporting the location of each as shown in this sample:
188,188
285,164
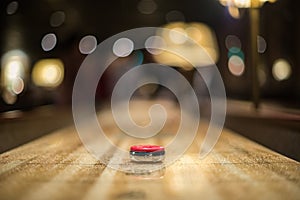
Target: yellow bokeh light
48,73
245,3
195,33
14,66
234,12
281,70
14,69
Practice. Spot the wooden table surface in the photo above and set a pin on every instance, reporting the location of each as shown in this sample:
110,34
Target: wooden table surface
57,166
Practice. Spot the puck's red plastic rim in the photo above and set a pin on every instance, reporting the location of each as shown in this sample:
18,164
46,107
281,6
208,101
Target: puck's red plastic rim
146,148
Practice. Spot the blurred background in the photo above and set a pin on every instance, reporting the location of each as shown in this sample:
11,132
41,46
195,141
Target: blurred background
255,45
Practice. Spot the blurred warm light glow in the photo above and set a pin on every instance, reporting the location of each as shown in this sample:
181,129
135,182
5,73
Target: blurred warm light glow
48,42
88,44
147,7
179,37
57,18
245,3
236,65
281,69
14,69
262,77
194,33
123,47
234,12
9,97
48,73
242,3
14,66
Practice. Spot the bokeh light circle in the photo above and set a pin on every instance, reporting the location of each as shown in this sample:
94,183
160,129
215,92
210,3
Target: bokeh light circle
281,69
236,65
178,35
48,42
147,7
57,18
153,41
261,44
87,44
18,85
123,47
12,7
233,41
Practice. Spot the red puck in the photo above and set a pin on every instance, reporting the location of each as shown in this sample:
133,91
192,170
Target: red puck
146,148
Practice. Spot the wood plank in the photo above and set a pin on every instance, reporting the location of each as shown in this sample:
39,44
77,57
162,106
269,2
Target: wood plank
57,166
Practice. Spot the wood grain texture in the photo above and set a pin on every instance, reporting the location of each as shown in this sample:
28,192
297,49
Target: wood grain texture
57,166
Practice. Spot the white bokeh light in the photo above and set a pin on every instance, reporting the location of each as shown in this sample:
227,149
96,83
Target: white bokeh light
178,35
147,6
154,43
236,65
281,69
261,44
18,85
48,42
87,44
123,47
12,8
57,18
